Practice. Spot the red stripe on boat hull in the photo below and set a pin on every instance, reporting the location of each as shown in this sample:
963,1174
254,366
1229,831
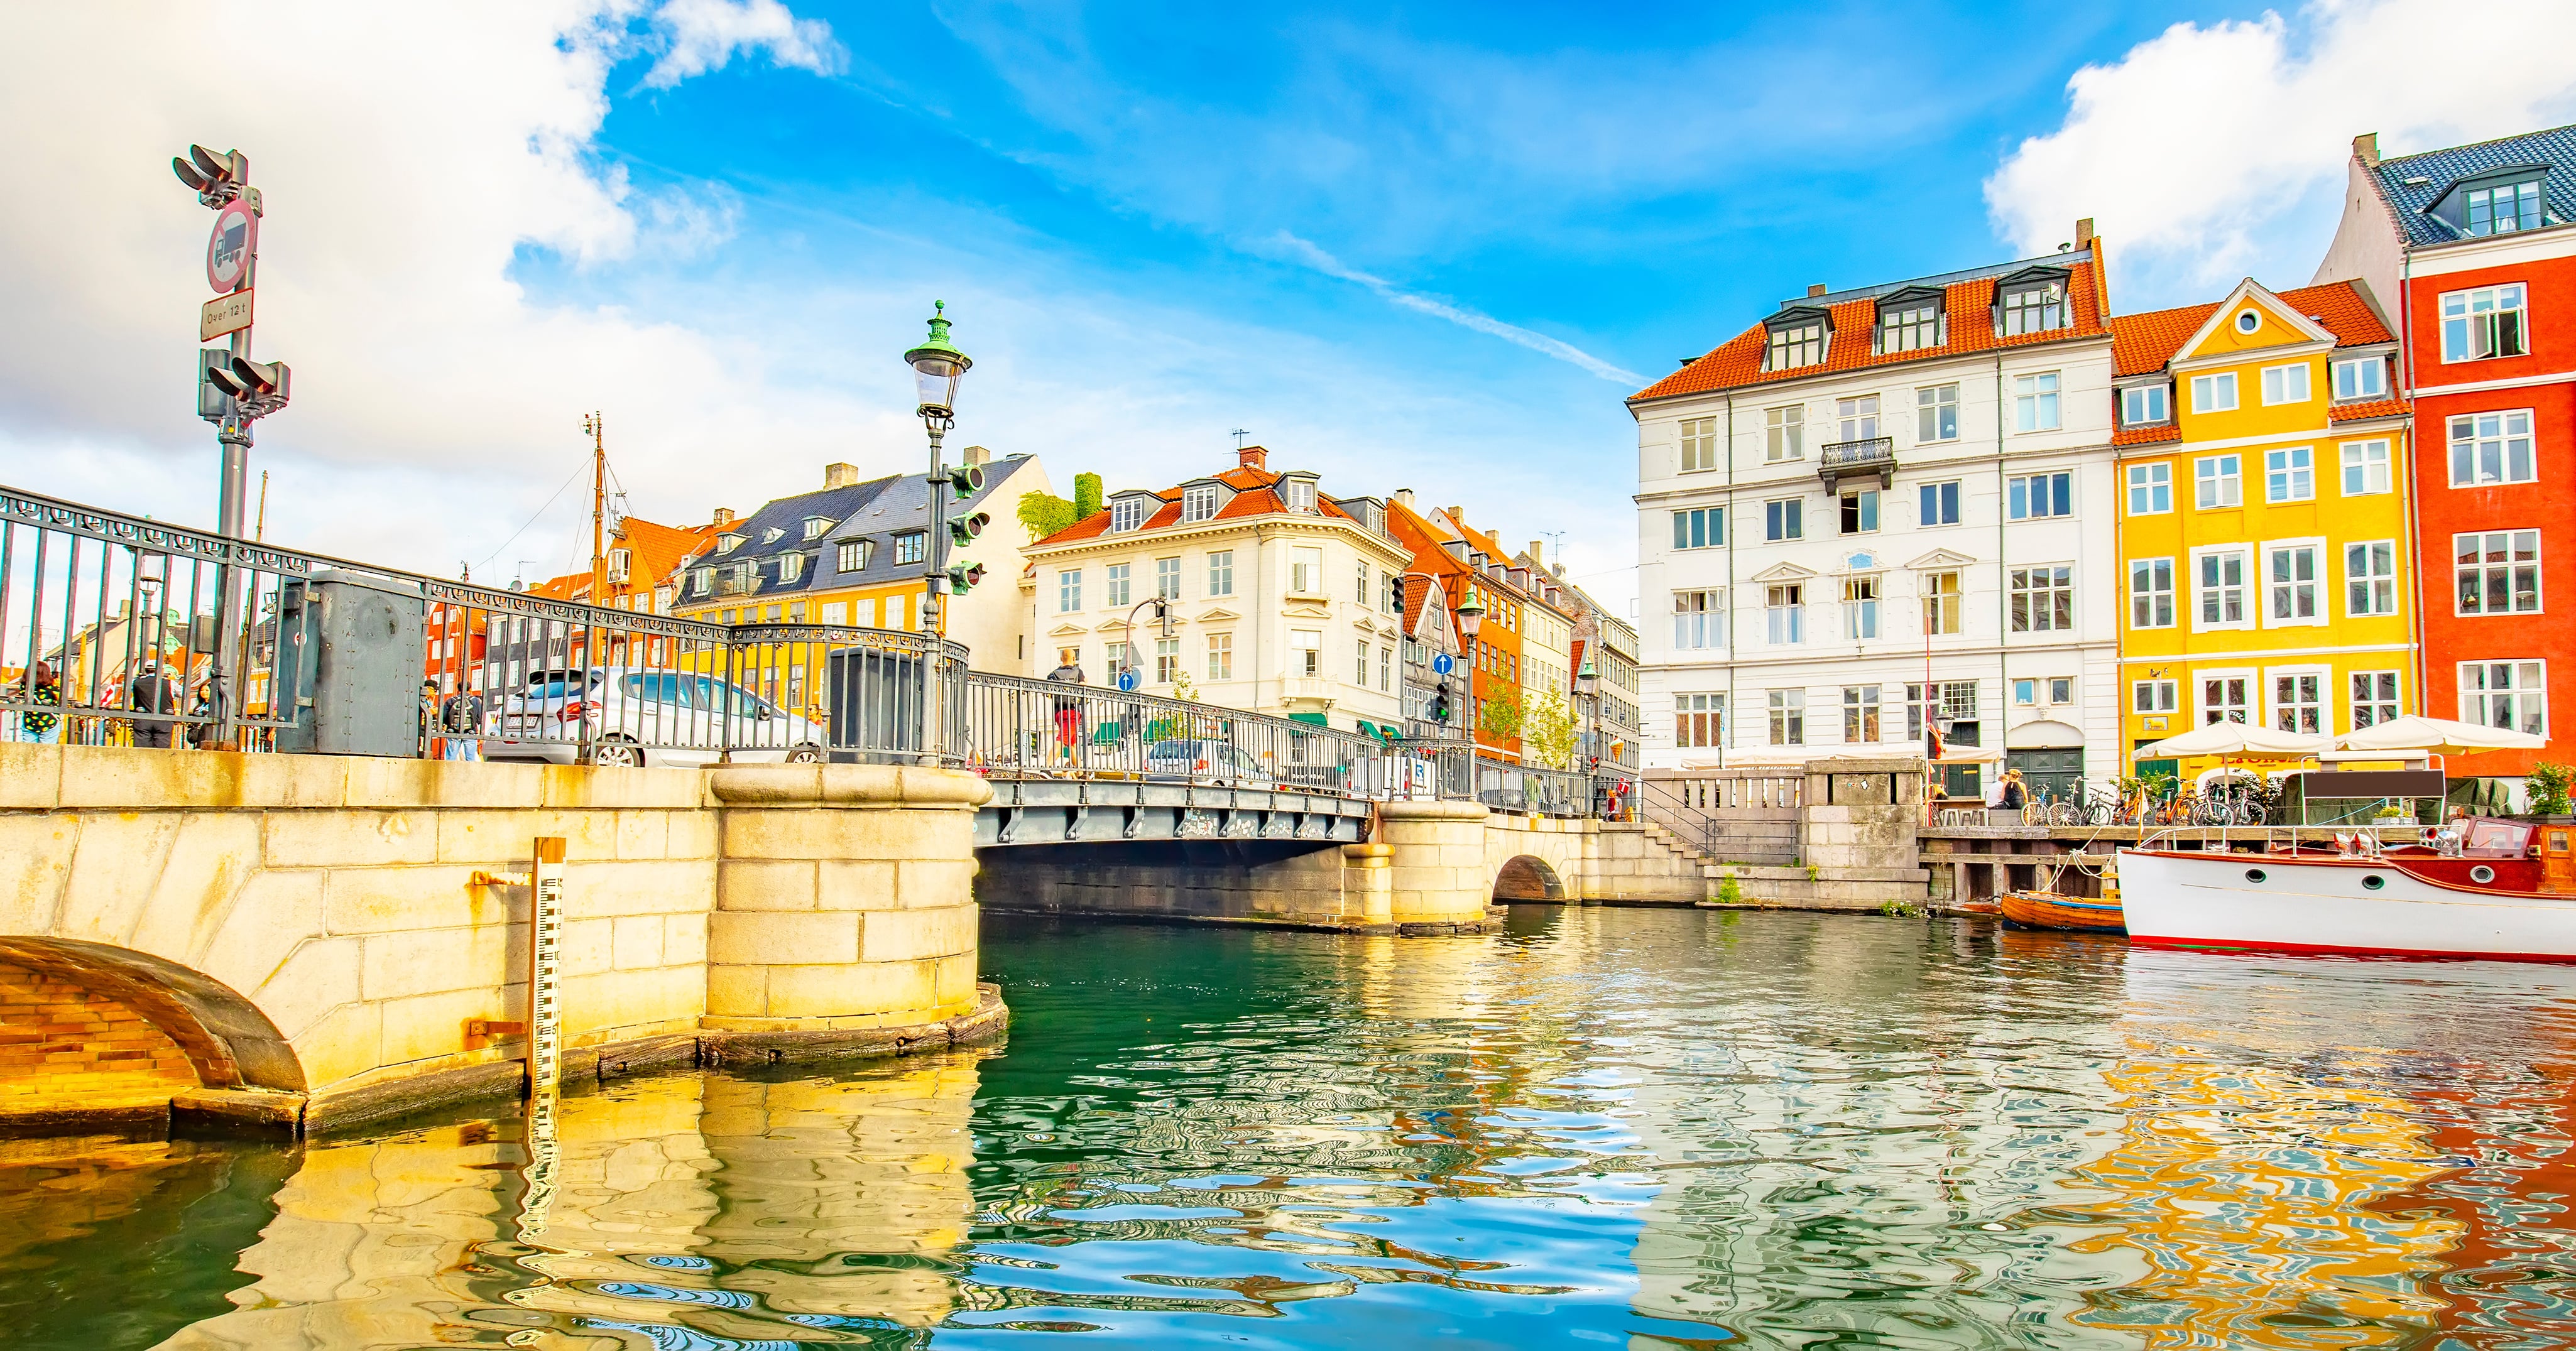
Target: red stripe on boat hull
2334,950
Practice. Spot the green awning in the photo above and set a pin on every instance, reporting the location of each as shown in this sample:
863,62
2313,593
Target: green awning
1315,718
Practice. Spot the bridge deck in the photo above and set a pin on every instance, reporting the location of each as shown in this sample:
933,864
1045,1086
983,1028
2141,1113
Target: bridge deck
1065,810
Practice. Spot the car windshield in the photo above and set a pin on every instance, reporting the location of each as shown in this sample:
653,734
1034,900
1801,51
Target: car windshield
660,688
720,697
553,686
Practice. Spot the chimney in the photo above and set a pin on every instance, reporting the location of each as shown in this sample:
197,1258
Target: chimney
723,517
1405,495
2365,148
2084,232
1537,559
1816,291
840,475
978,455
1252,457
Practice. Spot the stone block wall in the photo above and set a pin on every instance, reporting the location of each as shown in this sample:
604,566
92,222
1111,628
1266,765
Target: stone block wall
63,1042
1286,882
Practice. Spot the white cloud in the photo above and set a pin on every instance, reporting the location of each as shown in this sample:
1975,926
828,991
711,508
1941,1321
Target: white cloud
702,35
2192,150
1306,253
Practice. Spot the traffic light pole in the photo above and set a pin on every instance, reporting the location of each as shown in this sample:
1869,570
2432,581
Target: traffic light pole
232,436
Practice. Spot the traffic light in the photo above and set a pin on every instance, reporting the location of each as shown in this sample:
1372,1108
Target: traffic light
963,577
964,529
1440,702
215,178
966,480
260,387
1395,585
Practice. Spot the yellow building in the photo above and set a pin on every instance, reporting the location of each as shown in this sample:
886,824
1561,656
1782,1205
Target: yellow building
2265,523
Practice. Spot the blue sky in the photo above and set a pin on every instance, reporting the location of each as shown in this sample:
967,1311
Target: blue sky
1428,247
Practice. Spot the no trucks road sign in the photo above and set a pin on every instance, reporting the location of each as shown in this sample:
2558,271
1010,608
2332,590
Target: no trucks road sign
230,248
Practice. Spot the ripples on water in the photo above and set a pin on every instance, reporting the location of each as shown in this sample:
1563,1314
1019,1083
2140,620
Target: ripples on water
1606,1126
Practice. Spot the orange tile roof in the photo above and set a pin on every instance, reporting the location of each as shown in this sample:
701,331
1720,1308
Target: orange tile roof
2146,342
2147,435
1256,493
655,552
2362,412
1738,361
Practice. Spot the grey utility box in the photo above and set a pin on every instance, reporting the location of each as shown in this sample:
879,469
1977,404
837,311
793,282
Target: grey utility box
350,653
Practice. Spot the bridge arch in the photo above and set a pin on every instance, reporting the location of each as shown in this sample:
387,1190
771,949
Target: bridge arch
228,1042
1527,877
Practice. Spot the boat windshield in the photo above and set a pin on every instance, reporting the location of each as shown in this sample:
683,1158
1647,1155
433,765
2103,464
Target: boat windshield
2487,837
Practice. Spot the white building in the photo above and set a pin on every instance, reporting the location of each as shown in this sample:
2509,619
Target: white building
1280,599
1874,489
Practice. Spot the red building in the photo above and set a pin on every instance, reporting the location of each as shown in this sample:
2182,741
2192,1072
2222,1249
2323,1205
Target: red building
2471,253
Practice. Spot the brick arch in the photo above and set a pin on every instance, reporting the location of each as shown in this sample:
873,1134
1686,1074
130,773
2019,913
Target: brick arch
228,1041
1527,877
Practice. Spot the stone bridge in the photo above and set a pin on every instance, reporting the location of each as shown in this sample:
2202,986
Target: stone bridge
301,943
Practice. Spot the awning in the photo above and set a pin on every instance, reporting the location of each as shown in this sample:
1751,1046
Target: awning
1316,719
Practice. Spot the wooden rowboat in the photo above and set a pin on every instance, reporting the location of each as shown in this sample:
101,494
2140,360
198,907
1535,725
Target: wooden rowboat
2072,914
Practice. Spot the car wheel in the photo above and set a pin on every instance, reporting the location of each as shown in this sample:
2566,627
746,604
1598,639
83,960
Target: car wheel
617,753
805,755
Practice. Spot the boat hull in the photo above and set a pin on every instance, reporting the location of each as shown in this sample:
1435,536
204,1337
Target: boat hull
2065,914
2330,906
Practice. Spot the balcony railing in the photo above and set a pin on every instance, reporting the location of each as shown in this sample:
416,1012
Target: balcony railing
1854,459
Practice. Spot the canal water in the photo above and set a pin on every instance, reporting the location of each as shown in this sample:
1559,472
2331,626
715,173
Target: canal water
1623,1127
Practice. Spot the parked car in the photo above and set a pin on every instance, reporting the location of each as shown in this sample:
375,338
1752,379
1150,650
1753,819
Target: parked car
641,718
1204,762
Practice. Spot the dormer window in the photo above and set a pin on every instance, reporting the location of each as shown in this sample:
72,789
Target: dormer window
1127,513
620,563
726,544
790,567
910,546
1298,493
2142,405
1199,502
1910,321
1797,341
702,580
855,554
815,526
2503,208
2033,306
772,535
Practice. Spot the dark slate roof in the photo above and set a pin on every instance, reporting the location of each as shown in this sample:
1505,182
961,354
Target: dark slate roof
788,515
2442,170
903,506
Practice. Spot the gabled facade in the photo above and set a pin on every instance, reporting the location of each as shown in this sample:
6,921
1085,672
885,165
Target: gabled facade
2265,525
1279,598
2474,250
1882,499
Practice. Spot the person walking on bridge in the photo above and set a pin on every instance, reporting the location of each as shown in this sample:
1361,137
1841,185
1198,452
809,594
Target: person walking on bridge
1068,707
153,693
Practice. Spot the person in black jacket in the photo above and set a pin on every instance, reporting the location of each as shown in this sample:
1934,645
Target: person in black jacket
2014,795
460,719
152,693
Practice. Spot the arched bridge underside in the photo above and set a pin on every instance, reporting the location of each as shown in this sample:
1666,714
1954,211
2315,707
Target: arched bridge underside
1102,811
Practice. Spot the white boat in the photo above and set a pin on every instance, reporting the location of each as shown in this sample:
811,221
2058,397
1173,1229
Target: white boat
2507,894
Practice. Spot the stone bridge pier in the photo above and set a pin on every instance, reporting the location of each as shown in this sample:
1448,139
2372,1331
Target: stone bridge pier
303,942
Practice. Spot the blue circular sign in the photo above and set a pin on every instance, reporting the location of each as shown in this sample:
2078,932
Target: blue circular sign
1441,664
1127,678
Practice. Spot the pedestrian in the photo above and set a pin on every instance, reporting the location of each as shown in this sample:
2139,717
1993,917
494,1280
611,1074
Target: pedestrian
461,719
2013,794
428,719
151,693
1068,707
45,729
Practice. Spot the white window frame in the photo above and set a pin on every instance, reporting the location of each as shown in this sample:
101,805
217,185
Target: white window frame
1699,528
2477,697
1934,407
2025,490
2207,390
1699,619
2479,323
1861,722
1118,585
2031,595
1220,656
1788,710
2359,697
2324,707
2290,474
1698,442
1856,418
1699,721
2510,437
2374,473
1788,506
2484,569
2247,589
2038,402
1784,612
2253,692
2157,598
1944,612
2317,583
1128,513
1305,570
2352,385
1199,503
2370,581
2134,409
1068,590
1784,433
2228,485
2154,697
1220,572
1861,607
2149,485
1306,653
2287,384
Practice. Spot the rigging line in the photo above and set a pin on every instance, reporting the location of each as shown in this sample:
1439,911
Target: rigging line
532,520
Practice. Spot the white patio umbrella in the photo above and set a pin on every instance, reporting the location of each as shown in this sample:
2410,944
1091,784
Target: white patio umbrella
2442,736
2236,741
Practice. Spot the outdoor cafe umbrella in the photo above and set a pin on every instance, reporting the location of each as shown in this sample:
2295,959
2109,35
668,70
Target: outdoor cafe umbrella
2439,736
2235,741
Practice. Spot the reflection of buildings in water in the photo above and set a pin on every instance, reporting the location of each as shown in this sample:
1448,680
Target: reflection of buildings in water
2255,1196
727,1206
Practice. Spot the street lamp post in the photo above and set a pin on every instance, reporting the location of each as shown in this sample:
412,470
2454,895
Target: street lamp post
936,367
1587,687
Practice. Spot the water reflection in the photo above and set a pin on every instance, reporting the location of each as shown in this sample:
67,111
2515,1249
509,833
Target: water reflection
1644,1128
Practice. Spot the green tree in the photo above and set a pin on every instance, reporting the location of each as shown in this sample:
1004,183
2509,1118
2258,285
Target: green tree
2546,787
1551,735
1500,717
1045,513
1086,496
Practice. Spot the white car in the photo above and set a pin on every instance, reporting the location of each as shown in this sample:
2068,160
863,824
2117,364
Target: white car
639,718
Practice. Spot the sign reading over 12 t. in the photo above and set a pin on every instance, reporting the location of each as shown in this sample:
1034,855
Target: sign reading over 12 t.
229,250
